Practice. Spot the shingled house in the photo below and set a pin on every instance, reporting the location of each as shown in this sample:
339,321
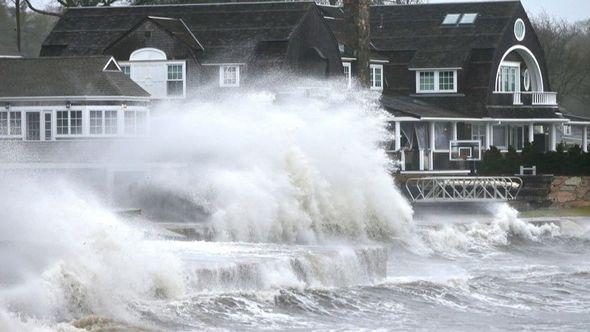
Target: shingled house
171,50
459,72
69,98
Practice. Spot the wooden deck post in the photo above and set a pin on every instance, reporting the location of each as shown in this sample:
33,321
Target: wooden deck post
585,139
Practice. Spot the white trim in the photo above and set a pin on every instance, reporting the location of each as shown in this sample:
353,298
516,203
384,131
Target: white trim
437,89
224,64
70,98
153,50
347,59
435,69
585,139
11,56
372,69
109,62
436,172
348,76
520,38
538,67
378,61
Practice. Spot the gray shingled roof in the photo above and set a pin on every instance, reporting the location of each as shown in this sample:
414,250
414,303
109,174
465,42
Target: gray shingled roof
64,76
229,29
416,108
419,28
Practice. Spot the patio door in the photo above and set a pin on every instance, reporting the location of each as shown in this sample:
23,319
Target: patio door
38,126
33,126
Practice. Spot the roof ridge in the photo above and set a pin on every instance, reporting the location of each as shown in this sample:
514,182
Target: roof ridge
199,4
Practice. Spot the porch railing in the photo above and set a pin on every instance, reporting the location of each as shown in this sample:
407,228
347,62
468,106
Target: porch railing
537,98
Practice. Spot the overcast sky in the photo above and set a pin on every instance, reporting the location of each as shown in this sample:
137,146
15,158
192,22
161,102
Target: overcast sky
571,10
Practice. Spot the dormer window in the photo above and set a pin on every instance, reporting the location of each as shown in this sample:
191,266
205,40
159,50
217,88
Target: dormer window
451,19
126,69
436,81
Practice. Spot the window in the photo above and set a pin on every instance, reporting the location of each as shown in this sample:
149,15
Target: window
175,82
75,122
500,137
519,30
376,77
508,78
442,131
15,123
526,78
427,81
96,121
126,69
567,130
110,122
436,81
3,123
347,73
229,76
446,81
69,122
478,133
48,130
136,122
468,18
451,19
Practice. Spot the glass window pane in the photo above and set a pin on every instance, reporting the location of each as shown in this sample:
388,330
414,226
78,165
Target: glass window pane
15,123
75,122
468,18
130,122
442,132
110,122
427,81
451,19
96,122
3,123
500,137
446,81
62,122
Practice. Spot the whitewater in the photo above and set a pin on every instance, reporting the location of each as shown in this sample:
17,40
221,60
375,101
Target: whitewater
283,216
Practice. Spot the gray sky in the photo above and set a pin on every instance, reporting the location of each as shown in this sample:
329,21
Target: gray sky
571,10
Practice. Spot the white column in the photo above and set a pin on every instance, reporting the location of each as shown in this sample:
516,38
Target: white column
398,136
488,135
454,131
432,146
585,139
403,160
553,138
531,133
421,160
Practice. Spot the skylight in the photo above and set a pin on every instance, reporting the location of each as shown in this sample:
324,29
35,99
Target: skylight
451,19
468,18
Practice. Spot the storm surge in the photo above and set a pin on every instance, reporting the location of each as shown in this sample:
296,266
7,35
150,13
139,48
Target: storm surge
302,227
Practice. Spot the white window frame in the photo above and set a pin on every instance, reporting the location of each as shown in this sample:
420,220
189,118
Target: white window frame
373,68
506,137
347,68
103,112
567,130
499,81
128,67
8,124
165,64
436,81
135,132
519,22
222,82
479,134
69,122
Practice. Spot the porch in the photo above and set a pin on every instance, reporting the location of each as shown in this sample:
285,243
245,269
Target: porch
425,146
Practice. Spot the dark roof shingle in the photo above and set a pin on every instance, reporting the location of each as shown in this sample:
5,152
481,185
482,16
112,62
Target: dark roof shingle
64,76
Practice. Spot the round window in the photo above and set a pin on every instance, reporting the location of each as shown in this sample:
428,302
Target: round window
526,80
519,29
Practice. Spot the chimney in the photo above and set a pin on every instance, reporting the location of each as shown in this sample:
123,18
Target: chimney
357,35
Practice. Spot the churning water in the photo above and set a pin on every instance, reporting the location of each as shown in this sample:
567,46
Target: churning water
301,228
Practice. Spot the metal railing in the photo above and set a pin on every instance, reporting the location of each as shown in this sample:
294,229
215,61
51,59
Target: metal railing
463,189
537,98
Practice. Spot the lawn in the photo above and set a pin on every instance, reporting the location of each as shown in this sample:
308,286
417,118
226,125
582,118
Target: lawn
573,212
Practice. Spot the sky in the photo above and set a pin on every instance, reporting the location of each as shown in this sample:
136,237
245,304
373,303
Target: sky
570,10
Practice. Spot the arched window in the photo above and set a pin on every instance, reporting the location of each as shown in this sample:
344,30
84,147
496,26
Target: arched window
147,54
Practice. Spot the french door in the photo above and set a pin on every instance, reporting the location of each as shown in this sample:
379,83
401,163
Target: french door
38,126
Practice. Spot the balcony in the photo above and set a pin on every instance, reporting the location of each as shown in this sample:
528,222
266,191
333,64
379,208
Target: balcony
535,98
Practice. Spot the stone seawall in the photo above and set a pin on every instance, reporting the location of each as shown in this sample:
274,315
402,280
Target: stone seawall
570,192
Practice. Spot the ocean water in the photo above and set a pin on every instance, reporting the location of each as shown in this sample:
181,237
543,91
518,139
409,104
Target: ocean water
299,226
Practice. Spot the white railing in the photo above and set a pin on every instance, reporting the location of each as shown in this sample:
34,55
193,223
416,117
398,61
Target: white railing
537,98
463,189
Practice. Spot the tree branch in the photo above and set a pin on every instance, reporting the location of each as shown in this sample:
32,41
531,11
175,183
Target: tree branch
39,11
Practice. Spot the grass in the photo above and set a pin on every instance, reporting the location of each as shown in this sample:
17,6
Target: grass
573,212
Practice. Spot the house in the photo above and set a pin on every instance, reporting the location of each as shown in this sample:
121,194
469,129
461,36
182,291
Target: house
69,98
457,72
174,50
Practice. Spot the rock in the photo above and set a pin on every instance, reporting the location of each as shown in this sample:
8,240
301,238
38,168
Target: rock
568,188
564,196
578,204
575,181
